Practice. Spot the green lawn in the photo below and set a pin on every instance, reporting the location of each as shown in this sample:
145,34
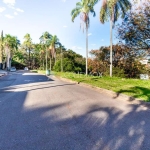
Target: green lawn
133,87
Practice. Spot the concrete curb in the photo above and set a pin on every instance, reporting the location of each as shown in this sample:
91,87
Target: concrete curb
117,96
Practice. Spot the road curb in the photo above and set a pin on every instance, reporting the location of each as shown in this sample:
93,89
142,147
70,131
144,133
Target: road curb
117,96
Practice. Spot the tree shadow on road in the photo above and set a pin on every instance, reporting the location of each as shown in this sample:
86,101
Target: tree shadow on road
137,92
57,127
68,125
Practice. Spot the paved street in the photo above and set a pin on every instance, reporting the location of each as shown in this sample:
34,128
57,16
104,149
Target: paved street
38,113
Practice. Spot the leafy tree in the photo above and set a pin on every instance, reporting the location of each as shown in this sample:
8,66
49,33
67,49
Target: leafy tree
11,44
112,9
46,40
84,8
135,28
28,45
68,65
126,61
53,45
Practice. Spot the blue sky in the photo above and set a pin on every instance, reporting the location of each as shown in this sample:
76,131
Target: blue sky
19,17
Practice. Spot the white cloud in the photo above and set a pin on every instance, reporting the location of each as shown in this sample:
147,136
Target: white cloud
64,26
89,34
64,0
76,48
9,16
9,2
20,10
15,13
2,9
102,40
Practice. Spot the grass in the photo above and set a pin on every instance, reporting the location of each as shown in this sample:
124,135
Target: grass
132,87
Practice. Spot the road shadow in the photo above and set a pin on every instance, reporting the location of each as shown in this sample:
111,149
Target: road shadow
56,127
60,125
141,92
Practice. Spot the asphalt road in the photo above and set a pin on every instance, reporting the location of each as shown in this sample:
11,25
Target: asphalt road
38,113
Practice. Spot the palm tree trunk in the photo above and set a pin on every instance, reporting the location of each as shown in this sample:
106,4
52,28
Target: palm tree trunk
1,57
61,61
86,49
46,59
8,56
50,64
29,60
55,58
111,25
43,65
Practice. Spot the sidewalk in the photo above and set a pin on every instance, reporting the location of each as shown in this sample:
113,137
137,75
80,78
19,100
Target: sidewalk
3,72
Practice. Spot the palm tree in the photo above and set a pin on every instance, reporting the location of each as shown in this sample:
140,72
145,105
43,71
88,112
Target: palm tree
28,46
62,48
112,9
11,44
84,8
54,43
46,39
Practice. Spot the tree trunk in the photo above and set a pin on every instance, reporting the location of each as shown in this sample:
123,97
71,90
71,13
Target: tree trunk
61,61
55,58
50,64
1,57
111,26
43,65
8,58
29,60
46,59
86,49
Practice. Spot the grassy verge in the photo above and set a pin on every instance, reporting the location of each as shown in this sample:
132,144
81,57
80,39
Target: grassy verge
133,87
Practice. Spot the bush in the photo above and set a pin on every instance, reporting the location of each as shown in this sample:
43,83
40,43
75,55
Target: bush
116,71
68,65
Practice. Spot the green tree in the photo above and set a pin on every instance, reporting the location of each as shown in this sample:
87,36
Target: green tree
28,45
54,43
84,8
11,44
113,9
46,40
134,30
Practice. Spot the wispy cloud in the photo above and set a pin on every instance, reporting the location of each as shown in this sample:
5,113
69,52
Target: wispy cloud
9,16
9,2
64,0
89,34
20,10
102,40
15,13
65,26
2,9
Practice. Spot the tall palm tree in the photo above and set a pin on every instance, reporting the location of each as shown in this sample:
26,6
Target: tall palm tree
62,48
83,9
11,44
46,40
112,9
28,46
53,44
